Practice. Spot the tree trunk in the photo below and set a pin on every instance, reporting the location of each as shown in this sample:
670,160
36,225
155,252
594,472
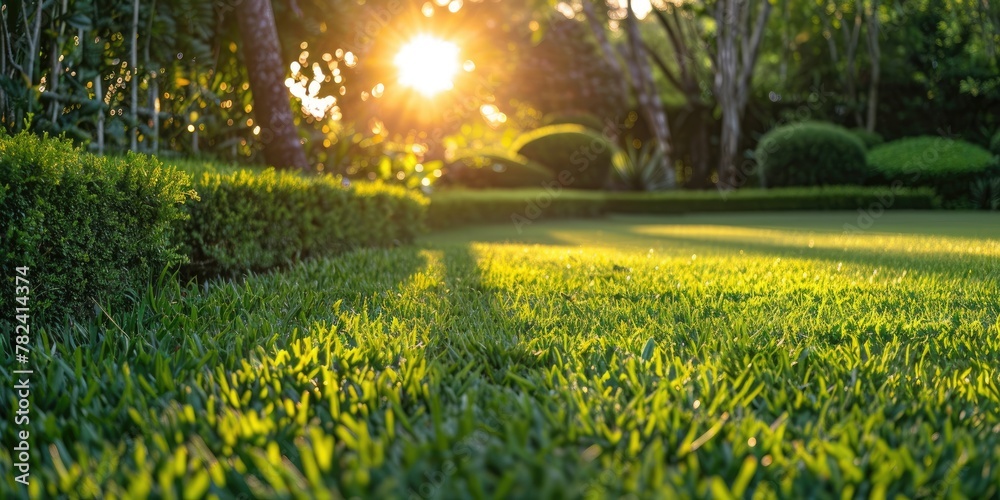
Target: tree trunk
611,58
134,78
99,95
154,102
735,57
875,57
851,37
726,88
262,55
700,171
33,44
729,148
650,104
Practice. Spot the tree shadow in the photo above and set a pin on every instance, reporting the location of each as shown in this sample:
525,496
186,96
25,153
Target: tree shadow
631,234
933,262
496,334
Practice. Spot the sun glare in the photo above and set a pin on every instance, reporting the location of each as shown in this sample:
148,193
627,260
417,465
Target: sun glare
428,65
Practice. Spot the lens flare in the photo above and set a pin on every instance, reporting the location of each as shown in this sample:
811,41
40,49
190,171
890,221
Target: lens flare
428,65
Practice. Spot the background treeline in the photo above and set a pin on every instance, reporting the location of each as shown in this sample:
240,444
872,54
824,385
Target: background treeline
897,68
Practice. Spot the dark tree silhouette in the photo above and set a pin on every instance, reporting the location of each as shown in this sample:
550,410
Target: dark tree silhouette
262,55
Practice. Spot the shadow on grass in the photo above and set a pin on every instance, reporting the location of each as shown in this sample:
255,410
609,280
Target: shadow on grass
683,237
491,334
937,262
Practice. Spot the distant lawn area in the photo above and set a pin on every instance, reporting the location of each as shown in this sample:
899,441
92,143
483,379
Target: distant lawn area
724,355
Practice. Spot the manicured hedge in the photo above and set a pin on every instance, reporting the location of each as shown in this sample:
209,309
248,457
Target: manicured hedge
811,154
756,200
457,207
89,228
256,220
952,167
94,228
580,152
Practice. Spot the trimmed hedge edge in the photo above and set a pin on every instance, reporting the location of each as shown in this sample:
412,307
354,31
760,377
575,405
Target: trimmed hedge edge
453,208
101,228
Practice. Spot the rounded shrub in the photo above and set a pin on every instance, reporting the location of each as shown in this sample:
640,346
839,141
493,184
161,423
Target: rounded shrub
89,228
869,139
584,119
497,170
577,155
951,166
811,154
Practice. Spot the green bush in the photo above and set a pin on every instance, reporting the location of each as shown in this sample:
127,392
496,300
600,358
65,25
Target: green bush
587,120
451,208
255,221
811,154
995,144
783,199
497,171
88,227
950,166
583,154
869,139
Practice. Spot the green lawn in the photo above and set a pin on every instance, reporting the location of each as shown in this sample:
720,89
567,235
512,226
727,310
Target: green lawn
712,355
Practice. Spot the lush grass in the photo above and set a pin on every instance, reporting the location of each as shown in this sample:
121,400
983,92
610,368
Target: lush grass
709,355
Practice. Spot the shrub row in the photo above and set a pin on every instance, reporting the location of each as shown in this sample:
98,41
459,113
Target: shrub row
87,227
257,220
94,228
759,200
457,207
823,154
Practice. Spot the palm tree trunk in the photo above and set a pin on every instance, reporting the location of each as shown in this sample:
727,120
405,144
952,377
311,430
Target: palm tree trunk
262,55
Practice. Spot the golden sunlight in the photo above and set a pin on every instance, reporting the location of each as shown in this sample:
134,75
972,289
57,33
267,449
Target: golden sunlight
428,64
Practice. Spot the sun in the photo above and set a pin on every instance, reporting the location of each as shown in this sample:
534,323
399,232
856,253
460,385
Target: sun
427,64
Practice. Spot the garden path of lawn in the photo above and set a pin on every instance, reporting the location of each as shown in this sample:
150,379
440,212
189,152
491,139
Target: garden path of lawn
710,355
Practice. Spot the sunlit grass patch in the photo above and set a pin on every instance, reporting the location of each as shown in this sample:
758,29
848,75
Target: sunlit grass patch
655,356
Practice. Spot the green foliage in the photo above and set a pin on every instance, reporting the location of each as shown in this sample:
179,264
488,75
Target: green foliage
254,221
677,358
782,199
450,208
588,120
640,169
950,166
811,154
89,227
568,73
499,170
995,144
869,139
584,153
456,207
985,194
